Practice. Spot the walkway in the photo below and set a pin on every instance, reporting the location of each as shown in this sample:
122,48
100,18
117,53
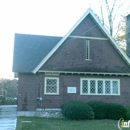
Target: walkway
8,117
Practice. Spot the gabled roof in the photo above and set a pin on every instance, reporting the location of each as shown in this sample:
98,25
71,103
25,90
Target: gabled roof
89,11
30,50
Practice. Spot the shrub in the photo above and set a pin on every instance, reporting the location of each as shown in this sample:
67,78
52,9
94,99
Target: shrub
77,110
127,115
99,109
115,111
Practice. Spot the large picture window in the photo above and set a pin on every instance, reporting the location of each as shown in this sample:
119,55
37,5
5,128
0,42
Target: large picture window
99,86
51,85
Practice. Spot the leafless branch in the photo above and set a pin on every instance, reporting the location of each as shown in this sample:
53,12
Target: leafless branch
115,14
101,8
113,6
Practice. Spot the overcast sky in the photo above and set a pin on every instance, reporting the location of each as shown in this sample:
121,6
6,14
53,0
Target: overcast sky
40,17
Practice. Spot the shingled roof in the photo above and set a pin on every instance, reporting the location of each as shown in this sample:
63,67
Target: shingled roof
30,50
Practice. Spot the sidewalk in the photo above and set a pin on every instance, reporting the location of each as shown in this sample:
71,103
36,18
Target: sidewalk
8,117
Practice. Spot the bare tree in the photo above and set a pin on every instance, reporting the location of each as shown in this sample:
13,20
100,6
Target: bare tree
112,8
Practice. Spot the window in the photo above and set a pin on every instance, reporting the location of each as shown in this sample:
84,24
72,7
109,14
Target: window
115,87
87,50
51,85
99,86
85,86
92,86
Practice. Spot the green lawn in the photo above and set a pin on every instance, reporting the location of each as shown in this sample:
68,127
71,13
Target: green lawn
63,124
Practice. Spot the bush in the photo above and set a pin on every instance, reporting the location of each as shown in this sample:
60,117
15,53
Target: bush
127,115
77,110
115,111
99,109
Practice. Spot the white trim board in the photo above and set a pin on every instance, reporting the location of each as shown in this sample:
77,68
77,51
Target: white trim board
86,37
89,11
84,73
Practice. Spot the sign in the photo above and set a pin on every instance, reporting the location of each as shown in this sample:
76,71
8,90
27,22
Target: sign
71,89
123,124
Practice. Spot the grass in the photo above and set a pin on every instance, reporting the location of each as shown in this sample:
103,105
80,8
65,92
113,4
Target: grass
63,124
8,102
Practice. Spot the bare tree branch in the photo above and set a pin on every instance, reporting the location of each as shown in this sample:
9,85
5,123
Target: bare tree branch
115,14
101,8
108,9
113,6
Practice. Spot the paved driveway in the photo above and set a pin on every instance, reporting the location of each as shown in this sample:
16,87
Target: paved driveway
8,117
8,123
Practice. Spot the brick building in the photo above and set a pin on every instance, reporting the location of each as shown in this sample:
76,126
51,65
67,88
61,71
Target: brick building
86,64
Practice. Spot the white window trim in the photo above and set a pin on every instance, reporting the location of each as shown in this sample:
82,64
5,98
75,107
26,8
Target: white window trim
81,79
45,79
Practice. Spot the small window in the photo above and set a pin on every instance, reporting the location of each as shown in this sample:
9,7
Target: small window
51,85
94,86
85,86
87,50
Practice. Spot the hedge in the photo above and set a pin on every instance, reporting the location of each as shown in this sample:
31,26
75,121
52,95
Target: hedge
99,109
77,110
115,111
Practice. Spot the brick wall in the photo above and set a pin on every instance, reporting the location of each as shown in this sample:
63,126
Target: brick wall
30,85
71,57
71,54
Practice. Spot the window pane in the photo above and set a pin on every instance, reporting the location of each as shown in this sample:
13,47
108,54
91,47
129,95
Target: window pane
115,87
100,87
51,86
85,86
92,86
107,87
87,50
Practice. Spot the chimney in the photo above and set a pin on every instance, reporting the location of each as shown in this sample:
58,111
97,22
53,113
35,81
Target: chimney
128,35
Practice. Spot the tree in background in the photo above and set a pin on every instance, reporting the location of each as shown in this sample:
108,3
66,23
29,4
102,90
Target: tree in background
8,91
111,11
120,36
113,14
8,87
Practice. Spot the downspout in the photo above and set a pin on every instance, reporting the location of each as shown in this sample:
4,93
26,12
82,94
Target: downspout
40,96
